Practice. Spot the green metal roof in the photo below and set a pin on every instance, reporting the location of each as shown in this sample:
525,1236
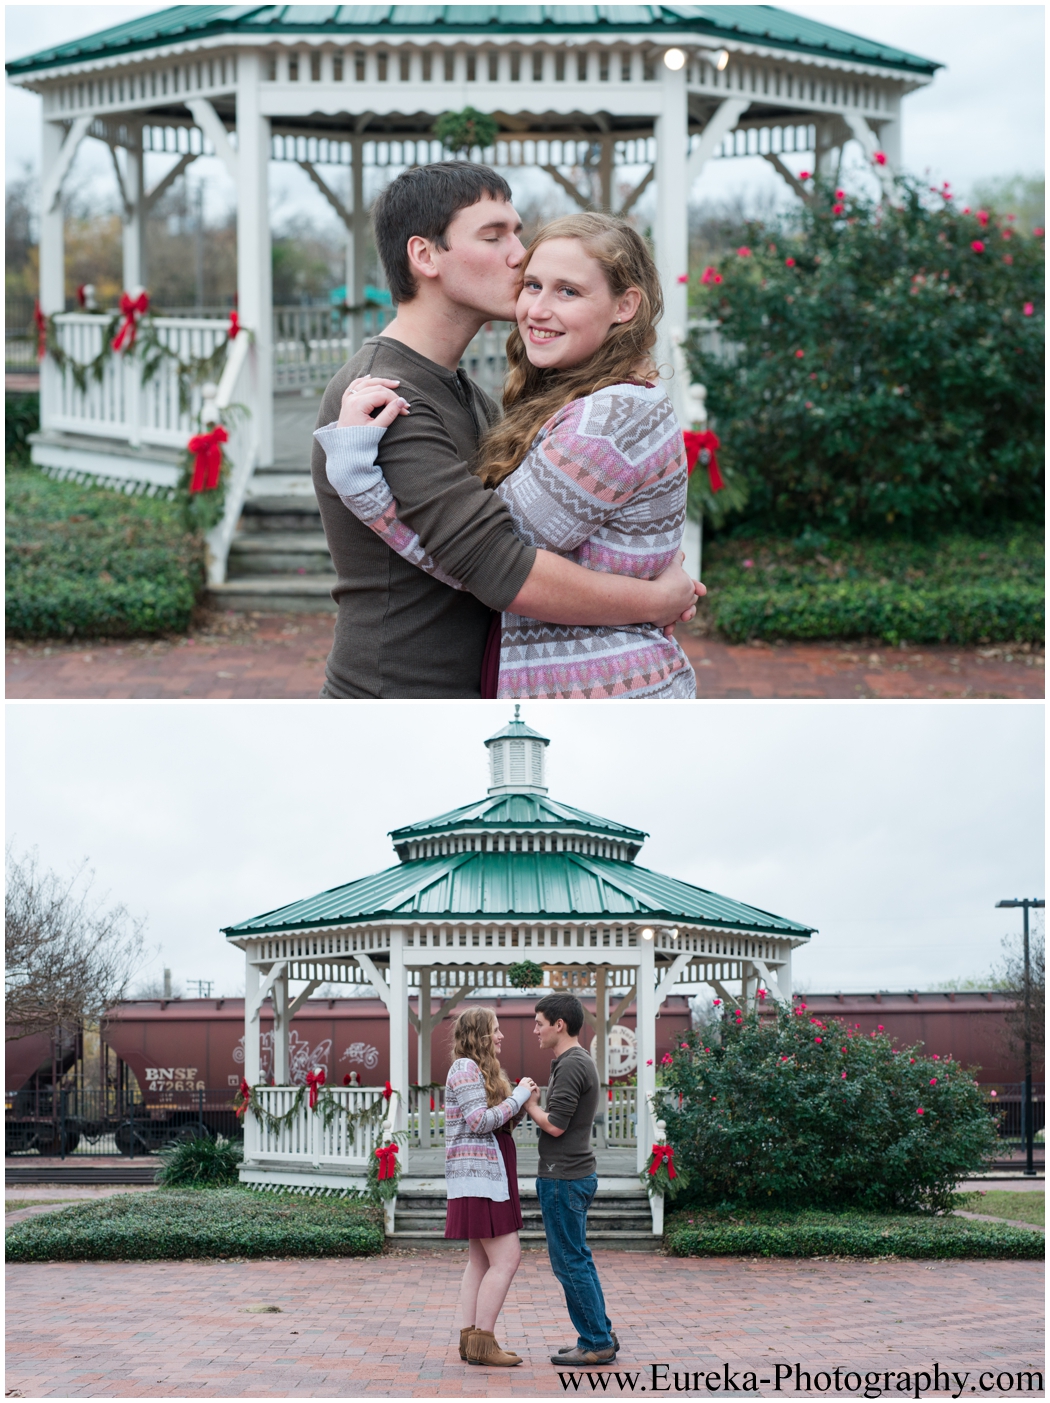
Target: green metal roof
518,811
518,887
761,24
517,730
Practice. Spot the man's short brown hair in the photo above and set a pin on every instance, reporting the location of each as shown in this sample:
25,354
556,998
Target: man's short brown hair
564,1006
424,201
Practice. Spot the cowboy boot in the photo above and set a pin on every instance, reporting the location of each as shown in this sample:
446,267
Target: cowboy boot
482,1348
464,1336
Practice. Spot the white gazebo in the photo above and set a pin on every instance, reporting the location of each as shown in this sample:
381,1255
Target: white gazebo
587,93
516,876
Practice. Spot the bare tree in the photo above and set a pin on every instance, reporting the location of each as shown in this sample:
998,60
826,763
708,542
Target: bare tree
1009,976
68,956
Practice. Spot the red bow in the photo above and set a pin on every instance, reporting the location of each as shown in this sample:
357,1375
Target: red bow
385,1155
388,1091
130,308
81,295
313,1081
41,331
246,1096
235,325
660,1154
706,442
208,462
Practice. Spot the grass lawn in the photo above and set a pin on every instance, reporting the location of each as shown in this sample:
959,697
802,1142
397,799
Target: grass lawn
1022,1207
823,1233
14,1204
181,1223
956,588
85,562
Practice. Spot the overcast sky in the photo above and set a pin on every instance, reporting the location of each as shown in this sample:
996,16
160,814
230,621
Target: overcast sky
981,118
893,828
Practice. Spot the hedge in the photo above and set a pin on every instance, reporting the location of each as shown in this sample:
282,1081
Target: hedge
199,1223
961,614
84,562
809,1233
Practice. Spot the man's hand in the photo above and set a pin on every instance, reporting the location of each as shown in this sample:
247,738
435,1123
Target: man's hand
678,592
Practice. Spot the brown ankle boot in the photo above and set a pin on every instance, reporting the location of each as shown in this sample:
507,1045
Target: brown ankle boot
464,1336
483,1349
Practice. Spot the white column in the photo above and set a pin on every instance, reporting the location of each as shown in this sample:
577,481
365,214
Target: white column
425,1030
601,1049
671,231
135,214
399,1031
357,237
281,1070
784,976
52,267
254,270
646,1030
252,1055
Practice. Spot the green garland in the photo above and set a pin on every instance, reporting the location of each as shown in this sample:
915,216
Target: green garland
197,370
462,131
327,1105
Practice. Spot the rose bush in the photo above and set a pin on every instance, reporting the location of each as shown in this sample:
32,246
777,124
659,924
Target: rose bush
792,1111
878,367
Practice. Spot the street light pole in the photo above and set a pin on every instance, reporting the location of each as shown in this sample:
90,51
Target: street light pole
1029,1129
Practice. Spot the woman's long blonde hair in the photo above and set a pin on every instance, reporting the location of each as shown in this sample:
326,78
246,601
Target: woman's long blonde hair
531,396
472,1036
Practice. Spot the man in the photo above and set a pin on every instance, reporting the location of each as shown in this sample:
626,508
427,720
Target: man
568,1177
447,235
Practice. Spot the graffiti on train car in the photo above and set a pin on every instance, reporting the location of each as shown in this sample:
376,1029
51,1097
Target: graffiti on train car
303,1057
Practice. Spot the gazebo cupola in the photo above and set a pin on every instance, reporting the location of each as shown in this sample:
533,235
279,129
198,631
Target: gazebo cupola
516,759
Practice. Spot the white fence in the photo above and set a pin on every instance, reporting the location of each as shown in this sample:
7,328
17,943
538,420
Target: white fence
311,343
119,405
305,1139
617,1103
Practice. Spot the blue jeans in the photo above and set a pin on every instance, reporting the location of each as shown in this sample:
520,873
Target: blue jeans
564,1204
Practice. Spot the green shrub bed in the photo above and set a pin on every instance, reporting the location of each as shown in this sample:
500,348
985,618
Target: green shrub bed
955,589
200,1223
811,1233
84,562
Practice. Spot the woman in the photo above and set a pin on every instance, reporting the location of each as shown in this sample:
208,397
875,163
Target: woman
589,458
481,1172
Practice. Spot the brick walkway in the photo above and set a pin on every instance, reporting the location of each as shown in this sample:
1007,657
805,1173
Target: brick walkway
384,1327
283,656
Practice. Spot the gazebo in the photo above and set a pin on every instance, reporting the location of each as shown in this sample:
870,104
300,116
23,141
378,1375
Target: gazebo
515,877
582,92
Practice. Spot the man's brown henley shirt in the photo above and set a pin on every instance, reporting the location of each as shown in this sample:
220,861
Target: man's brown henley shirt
400,632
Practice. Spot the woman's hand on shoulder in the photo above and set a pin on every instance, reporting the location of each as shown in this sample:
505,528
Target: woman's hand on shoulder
361,399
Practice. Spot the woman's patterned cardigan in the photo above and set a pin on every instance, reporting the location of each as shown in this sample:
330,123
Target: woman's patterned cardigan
603,484
473,1163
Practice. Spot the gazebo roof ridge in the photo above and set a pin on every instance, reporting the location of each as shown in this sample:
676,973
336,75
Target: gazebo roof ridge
507,812
765,25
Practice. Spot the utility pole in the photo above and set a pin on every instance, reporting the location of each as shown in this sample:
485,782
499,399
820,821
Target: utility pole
200,245
1026,904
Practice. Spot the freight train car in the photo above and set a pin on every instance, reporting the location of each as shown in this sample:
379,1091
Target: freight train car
967,1026
185,1045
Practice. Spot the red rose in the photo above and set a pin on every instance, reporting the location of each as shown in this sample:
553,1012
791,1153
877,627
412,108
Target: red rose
799,355
880,158
837,209
789,263
1028,309
977,246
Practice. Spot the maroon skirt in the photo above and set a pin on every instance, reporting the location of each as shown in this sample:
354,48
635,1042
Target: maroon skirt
481,1217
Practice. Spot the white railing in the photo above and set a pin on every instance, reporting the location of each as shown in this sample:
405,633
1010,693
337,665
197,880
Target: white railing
119,405
311,343
231,405
305,1139
426,1115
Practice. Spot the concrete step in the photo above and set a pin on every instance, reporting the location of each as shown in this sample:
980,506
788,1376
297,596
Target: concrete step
275,594
270,552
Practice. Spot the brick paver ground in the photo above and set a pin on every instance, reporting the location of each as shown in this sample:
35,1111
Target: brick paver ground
283,656
384,1327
